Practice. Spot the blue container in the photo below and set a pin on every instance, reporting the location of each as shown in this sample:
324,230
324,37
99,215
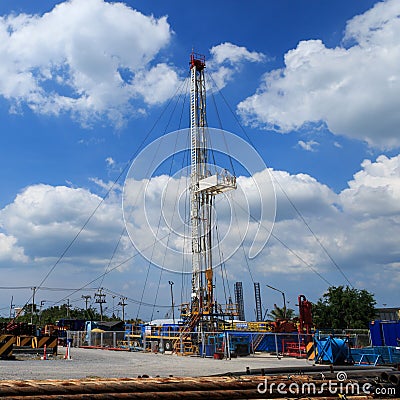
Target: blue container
385,333
333,350
210,350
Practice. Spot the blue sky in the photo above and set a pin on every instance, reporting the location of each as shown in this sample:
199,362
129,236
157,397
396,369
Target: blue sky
314,84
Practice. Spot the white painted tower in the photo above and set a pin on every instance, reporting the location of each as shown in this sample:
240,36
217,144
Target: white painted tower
204,185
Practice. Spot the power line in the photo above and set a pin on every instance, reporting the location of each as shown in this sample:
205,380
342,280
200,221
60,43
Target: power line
312,232
287,247
110,189
286,195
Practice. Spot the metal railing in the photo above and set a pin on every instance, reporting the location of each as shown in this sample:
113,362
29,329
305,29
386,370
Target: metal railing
97,339
206,344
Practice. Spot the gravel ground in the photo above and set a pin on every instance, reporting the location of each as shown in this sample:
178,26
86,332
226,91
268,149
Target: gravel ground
89,363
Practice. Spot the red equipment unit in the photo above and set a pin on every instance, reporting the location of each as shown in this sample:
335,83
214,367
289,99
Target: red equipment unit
305,315
197,60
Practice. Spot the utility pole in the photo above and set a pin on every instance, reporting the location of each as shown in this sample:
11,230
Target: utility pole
86,298
113,312
68,306
123,304
40,310
11,306
100,299
172,301
33,303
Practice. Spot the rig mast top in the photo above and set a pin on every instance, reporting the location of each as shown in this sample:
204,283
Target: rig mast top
198,61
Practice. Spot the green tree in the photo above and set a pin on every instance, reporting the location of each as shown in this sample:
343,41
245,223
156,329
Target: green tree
344,308
52,314
281,313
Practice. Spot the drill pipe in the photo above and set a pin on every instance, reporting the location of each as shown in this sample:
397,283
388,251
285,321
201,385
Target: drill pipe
395,379
225,394
168,388
14,388
385,374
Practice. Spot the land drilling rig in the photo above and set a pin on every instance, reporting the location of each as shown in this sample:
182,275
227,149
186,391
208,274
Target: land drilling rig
206,181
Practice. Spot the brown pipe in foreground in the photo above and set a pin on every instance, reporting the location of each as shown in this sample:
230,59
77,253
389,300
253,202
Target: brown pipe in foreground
395,379
173,396
177,395
163,388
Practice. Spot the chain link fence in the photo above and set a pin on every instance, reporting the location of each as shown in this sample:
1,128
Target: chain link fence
226,344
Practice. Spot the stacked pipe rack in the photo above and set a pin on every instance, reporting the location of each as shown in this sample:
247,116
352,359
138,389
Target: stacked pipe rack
246,386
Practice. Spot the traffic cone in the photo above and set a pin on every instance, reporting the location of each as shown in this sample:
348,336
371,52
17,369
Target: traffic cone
68,352
44,353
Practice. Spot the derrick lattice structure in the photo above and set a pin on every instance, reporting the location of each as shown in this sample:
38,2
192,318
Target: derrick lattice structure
204,185
239,300
257,296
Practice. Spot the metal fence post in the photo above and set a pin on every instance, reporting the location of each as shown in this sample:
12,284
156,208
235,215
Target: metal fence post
298,340
225,345
161,347
228,347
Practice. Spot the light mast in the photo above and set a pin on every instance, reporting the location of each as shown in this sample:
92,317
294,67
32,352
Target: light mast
204,185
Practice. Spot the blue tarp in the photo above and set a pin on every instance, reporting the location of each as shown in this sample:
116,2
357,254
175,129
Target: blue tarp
385,333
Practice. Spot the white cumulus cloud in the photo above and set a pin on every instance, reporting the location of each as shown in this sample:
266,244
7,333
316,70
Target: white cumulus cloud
110,161
44,219
353,88
90,58
227,59
310,145
359,227
10,252
375,190
231,53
